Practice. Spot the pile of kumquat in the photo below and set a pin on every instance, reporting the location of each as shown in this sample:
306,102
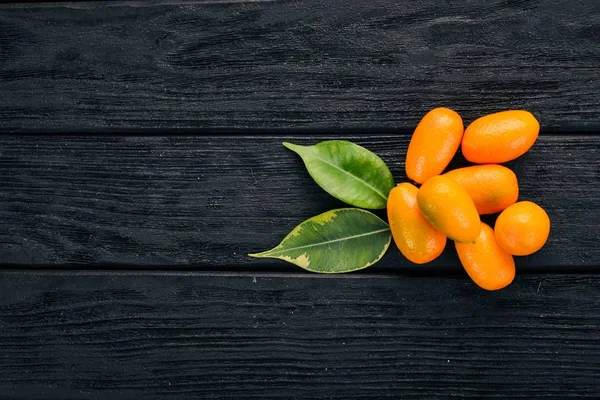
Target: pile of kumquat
448,205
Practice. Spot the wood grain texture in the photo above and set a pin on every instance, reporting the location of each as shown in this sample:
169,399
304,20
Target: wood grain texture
206,202
153,336
296,64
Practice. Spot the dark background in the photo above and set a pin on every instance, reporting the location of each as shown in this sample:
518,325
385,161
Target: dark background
141,160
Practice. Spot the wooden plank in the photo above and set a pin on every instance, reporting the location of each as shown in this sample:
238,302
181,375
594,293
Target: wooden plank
92,335
286,64
207,201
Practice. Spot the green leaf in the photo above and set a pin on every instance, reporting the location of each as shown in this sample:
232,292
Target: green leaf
348,172
342,240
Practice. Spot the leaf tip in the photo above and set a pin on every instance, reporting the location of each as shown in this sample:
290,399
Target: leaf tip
291,146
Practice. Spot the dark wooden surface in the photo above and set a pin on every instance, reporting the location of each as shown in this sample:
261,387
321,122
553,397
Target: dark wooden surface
295,64
206,202
192,335
125,220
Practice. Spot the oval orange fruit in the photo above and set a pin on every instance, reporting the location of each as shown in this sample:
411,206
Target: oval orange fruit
492,187
489,266
522,229
449,208
416,239
500,137
433,144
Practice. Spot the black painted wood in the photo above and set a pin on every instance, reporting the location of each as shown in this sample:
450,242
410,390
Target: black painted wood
296,64
264,72
205,202
82,335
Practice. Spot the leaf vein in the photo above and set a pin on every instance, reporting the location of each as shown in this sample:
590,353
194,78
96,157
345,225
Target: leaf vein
329,241
353,176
